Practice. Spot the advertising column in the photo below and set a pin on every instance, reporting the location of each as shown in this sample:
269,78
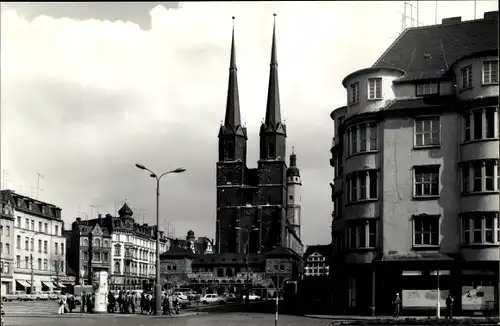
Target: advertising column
100,291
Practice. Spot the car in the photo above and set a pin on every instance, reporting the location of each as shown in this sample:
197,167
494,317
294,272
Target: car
191,295
252,297
212,298
230,297
16,295
39,296
54,295
183,303
181,296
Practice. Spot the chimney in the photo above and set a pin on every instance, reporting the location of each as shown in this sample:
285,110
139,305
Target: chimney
99,215
78,219
451,20
491,15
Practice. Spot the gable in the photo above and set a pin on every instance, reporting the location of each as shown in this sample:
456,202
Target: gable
97,230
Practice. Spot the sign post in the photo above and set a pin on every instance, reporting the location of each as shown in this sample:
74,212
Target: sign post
82,274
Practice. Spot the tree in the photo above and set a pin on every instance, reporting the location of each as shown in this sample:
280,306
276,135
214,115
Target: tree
57,267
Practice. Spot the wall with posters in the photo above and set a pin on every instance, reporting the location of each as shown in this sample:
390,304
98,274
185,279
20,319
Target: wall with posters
423,298
478,297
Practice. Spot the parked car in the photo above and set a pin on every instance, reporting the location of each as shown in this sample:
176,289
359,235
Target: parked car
53,295
183,303
39,296
181,296
230,297
16,295
212,298
252,297
191,295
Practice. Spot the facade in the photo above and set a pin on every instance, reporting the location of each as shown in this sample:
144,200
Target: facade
254,213
317,260
38,246
416,186
118,245
6,245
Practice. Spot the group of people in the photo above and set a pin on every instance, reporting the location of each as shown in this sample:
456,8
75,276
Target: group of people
66,304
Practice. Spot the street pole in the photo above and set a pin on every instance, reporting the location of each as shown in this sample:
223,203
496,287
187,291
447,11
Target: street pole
157,281
438,304
32,274
277,300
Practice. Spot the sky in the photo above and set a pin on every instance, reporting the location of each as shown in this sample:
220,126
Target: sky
90,89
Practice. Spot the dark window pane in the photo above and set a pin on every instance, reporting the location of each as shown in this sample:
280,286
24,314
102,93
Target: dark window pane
490,122
478,124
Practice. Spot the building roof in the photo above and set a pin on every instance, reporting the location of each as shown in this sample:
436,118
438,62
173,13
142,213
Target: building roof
177,252
125,211
428,52
324,250
228,259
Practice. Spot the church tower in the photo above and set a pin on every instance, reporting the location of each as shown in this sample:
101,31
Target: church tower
294,185
271,164
231,165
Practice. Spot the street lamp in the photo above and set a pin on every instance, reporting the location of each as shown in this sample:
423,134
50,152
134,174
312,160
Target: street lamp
248,230
157,281
32,238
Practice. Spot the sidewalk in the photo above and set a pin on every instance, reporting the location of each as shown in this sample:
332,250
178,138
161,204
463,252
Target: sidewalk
353,317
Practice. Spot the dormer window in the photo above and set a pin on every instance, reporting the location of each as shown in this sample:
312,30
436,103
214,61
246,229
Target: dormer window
30,205
427,88
375,88
354,93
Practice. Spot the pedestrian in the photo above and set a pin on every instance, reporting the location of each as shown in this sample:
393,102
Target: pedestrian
89,303
449,306
62,304
111,303
397,305
71,303
164,304
131,302
84,302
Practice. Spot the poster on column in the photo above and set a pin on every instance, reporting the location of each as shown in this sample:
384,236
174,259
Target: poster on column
423,298
101,291
478,297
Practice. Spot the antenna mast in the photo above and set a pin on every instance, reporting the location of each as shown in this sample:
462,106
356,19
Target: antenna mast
5,175
408,20
38,184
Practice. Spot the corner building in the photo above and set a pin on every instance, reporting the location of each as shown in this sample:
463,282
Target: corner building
252,204
416,182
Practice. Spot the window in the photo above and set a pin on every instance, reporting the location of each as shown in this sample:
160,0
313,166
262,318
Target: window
57,230
106,243
61,266
56,249
45,246
270,150
62,249
18,261
480,176
85,256
39,264
426,181
426,230
362,138
7,248
32,244
85,242
490,72
39,226
46,228
479,228
466,77
32,225
361,235
26,243
117,268
96,256
18,242
7,231
375,88
4,266
45,264
362,185
427,131
30,205
480,124
229,151
428,88
97,242
19,221
117,250
27,224
26,262
39,245
354,93
105,257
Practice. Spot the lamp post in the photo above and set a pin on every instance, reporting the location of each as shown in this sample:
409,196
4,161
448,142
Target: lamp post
157,281
248,230
32,238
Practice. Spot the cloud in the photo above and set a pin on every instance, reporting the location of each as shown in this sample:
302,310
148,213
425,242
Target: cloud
83,100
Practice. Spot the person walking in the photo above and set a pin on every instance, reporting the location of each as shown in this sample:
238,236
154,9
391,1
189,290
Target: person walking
62,304
397,305
84,302
449,306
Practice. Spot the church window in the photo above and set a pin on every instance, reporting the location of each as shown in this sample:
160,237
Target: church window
229,151
270,150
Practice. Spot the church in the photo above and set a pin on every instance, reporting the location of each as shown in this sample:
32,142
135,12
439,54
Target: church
258,209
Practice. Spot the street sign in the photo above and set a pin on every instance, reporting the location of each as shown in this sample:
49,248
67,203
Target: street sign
278,280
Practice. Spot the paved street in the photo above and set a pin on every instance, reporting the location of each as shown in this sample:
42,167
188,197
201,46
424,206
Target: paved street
230,319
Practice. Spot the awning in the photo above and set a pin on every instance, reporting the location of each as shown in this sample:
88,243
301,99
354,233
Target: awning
37,284
59,285
23,283
416,257
48,284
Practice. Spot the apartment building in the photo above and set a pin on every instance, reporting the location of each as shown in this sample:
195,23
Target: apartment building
416,184
6,245
37,243
317,260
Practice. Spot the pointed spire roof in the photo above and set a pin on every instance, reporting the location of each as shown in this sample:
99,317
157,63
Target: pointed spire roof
293,170
125,211
232,121
273,110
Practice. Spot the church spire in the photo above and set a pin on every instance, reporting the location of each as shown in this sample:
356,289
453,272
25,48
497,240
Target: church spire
273,112
233,115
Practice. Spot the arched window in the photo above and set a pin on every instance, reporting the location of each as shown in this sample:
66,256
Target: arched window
230,151
85,242
229,272
97,242
106,243
220,272
117,267
270,150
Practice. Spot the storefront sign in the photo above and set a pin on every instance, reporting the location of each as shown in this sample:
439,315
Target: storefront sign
478,298
423,298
